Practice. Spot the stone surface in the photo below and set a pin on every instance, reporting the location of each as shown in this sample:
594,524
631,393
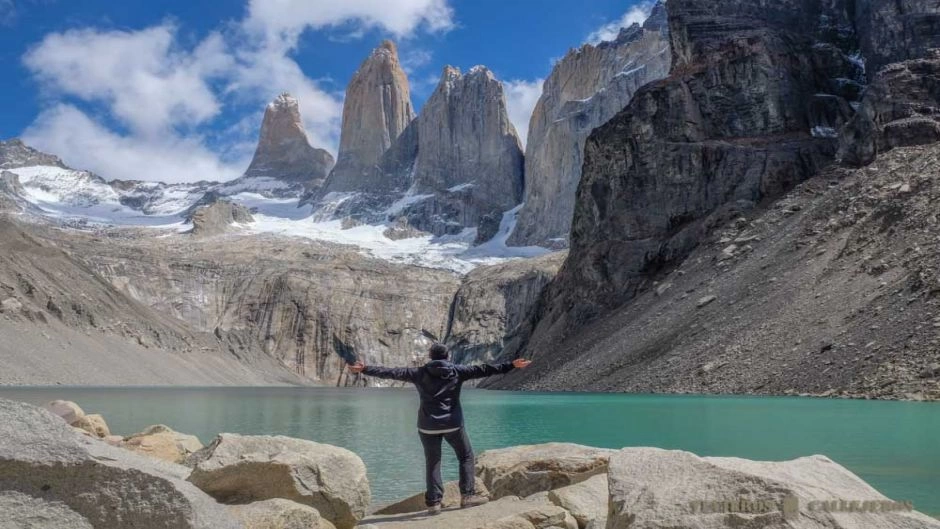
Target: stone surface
93,424
586,88
279,514
468,155
243,469
163,443
283,150
14,153
376,110
218,217
416,503
454,518
549,517
901,108
41,457
528,469
652,488
492,302
66,409
896,31
586,501
21,511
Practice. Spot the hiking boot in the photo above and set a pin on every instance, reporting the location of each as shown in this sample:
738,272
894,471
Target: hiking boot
434,510
472,500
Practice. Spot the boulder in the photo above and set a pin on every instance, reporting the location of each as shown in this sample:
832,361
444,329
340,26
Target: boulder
654,488
243,469
548,517
11,306
416,503
163,443
42,457
586,501
527,469
93,424
278,513
66,409
24,511
503,509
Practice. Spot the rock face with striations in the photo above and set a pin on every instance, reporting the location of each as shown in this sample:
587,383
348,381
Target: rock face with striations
585,89
468,154
896,31
283,151
218,217
376,111
732,125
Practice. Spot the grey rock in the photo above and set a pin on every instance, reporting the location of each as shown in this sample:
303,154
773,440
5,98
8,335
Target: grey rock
244,469
652,488
586,501
706,301
11,306
896,31
218,217
41,457
93,424
14,153
586,88
548,517
279,514
376,111
468,154
528,469
21,511
284,152
901,108
163,443
491,304
69,411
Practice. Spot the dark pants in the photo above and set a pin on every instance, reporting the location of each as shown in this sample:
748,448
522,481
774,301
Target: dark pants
432,459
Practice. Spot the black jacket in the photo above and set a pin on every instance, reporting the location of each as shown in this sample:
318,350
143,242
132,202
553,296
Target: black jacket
438,384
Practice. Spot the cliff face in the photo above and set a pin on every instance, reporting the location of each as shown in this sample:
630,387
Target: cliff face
283,150
896,31
376,111
759,99
468,154
585,89
491,304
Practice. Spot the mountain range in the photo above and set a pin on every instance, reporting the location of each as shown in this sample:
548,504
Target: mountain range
742,194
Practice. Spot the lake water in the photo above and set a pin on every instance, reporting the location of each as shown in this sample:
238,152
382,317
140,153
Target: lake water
895,446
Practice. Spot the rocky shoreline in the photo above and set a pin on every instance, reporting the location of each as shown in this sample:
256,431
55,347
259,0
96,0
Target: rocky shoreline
62,468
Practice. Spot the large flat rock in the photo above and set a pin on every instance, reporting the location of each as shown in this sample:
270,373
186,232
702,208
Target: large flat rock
456,518
78,480
527,469
651,488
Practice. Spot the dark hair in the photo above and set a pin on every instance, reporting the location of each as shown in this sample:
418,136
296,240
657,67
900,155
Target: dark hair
438,351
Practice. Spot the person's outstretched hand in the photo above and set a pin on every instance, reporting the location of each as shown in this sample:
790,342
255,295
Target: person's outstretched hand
521,363
356,368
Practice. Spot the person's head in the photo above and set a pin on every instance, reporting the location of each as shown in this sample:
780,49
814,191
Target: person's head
438,351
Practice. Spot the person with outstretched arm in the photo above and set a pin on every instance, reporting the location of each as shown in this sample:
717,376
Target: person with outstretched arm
440,417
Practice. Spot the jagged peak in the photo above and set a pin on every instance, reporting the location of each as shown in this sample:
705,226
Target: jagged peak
284,100
386,48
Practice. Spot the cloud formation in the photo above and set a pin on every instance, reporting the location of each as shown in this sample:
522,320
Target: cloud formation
133,104
521,97
635,15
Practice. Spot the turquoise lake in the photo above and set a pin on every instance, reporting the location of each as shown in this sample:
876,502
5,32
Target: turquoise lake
894,446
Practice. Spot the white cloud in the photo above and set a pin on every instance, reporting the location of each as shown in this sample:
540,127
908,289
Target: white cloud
147,84
162,93
636,15
521,97
288,18
85,144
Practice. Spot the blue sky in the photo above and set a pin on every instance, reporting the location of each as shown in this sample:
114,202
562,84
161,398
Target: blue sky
174,90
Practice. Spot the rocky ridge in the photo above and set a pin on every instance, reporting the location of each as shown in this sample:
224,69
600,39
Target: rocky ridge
586,88
275,482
